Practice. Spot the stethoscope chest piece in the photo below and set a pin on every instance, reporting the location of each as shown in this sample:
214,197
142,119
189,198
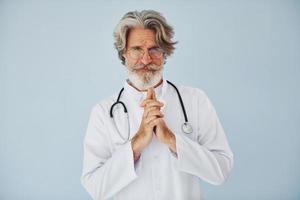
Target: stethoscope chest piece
187,128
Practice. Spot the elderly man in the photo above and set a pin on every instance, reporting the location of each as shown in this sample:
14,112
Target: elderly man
152,140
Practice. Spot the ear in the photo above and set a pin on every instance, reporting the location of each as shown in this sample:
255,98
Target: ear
124,55
164,58
125,59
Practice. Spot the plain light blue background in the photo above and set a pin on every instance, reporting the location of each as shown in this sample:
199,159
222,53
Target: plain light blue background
57,60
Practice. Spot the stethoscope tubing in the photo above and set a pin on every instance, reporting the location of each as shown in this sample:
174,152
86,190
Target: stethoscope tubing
186,126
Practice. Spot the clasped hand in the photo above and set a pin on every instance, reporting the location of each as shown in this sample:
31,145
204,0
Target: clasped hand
152,123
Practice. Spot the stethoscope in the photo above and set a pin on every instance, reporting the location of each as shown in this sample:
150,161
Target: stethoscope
186,127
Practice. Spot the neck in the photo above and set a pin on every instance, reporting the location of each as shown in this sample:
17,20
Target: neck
155,86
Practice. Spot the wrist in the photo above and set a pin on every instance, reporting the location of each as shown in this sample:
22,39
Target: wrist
136,149
171,141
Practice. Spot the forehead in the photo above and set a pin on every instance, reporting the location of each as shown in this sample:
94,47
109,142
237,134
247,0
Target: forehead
141,37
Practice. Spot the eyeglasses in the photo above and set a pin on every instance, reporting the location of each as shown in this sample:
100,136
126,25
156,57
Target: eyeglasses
138,53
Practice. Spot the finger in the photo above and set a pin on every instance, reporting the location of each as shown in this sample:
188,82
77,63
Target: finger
153,95
149,93
146,101
156,112
153,103
152,111
154,122
146,111
149,119
152,92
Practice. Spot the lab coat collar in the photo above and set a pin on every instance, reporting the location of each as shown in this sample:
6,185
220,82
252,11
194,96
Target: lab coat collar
139,96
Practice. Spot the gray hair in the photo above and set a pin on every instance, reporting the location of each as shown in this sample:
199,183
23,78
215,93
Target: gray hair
148,19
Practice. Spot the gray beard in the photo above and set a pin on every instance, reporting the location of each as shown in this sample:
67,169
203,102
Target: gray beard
147,80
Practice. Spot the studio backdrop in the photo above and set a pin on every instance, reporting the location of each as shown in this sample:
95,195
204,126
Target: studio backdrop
57,60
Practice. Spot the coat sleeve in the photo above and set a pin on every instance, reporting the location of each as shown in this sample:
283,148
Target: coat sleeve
102,176
209,157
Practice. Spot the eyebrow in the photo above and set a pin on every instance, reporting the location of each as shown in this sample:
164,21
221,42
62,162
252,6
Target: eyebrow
155,46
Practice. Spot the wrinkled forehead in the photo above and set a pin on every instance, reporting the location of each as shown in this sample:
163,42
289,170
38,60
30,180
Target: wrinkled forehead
141,37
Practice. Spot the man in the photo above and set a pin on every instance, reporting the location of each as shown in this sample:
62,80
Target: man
150,154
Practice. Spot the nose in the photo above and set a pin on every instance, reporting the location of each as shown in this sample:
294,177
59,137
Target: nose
146,59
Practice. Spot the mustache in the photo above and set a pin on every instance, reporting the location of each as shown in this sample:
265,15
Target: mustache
152,67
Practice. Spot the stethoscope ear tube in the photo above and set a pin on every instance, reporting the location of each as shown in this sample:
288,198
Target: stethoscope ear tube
118,101
112,107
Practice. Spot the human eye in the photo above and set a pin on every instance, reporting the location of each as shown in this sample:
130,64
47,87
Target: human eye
136,49
135,52
155,52
154,49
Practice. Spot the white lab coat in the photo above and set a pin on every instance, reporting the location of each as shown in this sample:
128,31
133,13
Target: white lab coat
109,171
